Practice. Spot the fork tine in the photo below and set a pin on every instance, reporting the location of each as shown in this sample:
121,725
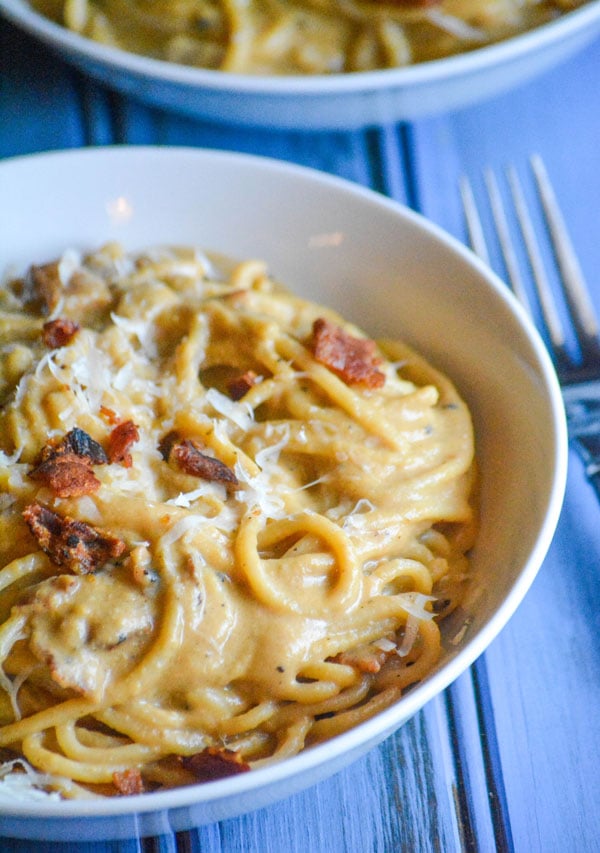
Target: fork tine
575,288
504,238
547,304
474,226
585,322
476,234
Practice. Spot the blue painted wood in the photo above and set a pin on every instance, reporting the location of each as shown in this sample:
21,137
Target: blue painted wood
472,788
38,106
507,757
542,673
557,116
544,677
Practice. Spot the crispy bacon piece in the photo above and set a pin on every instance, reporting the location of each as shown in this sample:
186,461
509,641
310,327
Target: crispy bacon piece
77,441
73,544
215,763
128,781
365,658
121,438
57,333
167,443
66,466
353,359
42,287
186,453
110,416
240,386
68,475
190,459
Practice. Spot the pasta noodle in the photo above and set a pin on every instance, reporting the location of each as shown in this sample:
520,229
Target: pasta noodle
230,523
301,36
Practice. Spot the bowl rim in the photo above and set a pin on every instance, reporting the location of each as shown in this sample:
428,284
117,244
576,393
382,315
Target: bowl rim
424,73
388,720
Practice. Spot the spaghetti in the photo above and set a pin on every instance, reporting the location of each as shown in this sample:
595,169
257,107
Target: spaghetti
229,522
300,36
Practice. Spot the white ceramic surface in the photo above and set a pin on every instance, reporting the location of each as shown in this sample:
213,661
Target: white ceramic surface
321,102
384,267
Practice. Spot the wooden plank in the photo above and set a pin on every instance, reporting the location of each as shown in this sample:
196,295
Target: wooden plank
543,670
546,672
39,105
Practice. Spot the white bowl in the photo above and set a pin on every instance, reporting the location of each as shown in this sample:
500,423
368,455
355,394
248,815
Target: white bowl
343,101
382,266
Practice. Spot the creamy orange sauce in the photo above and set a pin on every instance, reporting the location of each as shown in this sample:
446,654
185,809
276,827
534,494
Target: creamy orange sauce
226,616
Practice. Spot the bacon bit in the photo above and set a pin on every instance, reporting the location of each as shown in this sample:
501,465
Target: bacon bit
57,333
66,467
240,386
109,415
189,457
77,546
365,658
353,359
43,287
128,782
120,440
68,475
215,763
77,441
167,443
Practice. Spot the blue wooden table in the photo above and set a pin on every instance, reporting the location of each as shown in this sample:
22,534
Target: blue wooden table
509,757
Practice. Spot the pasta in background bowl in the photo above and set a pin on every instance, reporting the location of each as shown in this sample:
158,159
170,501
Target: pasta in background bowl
301,36
331,243
356,63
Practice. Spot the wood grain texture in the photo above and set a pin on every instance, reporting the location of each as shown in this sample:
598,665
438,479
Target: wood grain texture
506,759
543,670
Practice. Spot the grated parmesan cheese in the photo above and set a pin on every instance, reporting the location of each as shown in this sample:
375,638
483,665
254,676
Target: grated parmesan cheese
411,632
241,414
142,330
69,264
256,492
185,499
385,645
24,784
414,604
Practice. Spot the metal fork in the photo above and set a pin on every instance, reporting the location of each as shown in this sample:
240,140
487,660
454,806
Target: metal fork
578,372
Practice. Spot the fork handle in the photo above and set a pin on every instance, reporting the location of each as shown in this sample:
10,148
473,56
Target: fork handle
588,447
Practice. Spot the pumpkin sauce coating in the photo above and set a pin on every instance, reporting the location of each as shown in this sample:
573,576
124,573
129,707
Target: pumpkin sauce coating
230,522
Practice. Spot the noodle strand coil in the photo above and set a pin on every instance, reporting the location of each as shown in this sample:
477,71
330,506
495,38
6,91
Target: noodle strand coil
230,523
